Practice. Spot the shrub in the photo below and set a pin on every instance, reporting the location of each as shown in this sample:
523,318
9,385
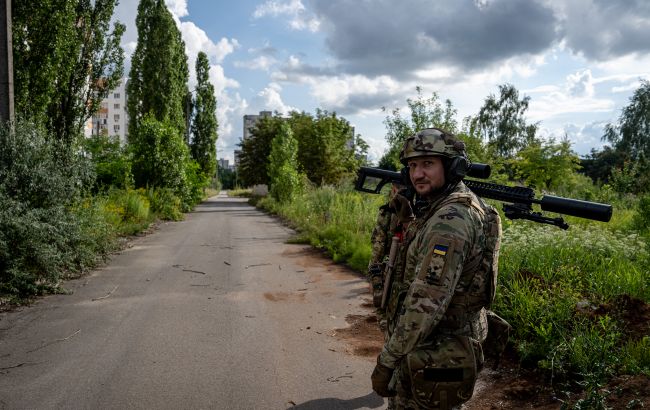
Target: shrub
44,232
111,160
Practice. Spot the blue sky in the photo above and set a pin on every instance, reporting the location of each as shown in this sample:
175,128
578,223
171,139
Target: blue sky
578,60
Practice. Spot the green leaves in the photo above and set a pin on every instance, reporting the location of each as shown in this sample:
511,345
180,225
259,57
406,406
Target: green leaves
65,59
204,122
159,72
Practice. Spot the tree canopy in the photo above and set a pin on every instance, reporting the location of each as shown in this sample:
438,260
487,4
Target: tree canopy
159,71
502,123
424,113
66,59
204,121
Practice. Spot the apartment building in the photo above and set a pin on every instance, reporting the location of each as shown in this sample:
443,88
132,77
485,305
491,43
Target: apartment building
112,118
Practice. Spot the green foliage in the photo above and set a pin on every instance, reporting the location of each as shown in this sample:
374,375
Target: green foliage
642,216
424,113
165,204
631,177
636,356
632,133
255,150
327,146
43,230
159,71
227,178
128,210
204,123
501,121
598,165
65,60
546,165
283,162
111,160
159,156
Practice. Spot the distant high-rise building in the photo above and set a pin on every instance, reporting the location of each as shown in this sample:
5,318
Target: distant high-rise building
112,118
251,119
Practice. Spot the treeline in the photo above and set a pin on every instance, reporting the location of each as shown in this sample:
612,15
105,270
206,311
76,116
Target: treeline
575,298
286,153
66,199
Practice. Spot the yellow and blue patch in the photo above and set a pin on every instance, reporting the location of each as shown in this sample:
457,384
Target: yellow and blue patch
440,250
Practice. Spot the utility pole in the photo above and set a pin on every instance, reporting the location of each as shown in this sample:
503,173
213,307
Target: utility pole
6,64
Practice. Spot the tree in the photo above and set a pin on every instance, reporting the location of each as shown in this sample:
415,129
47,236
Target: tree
204,123
254,157
160,156
159,72
632,133
424,113
327,146
283,164
66,59
546,165
598,165
502,123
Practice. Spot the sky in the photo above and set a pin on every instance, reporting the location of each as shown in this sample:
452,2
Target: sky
579,61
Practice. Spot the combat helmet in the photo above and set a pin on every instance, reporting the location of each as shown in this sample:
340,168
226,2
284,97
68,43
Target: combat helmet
437,142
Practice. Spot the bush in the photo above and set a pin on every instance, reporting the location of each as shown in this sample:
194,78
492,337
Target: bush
111,160
165,204
642,216
44,233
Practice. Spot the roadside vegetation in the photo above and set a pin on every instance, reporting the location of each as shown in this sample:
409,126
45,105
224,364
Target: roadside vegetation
578,300
68,200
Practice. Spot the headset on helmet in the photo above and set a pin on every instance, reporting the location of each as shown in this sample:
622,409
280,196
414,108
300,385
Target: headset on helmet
437,142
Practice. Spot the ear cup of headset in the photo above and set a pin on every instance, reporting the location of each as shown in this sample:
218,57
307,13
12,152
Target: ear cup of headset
458,168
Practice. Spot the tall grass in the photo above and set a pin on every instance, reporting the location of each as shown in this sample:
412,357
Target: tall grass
336,219
551,281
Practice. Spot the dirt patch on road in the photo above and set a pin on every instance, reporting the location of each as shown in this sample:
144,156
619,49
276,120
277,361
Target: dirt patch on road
317,260
284,297
363,335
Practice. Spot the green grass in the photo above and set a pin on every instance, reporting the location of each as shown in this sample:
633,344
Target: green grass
550,280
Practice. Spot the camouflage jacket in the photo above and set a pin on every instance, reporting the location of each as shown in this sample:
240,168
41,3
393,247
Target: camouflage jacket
382,234
441,277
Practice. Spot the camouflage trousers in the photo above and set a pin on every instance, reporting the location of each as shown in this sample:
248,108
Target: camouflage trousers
442,375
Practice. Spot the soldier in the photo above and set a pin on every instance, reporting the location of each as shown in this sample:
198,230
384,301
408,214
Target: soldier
443,280
389,223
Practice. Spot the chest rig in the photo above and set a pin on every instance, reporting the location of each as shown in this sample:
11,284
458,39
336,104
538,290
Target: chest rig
477,284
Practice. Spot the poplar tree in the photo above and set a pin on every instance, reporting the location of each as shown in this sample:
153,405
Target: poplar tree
283,164
159,71
204,123
65,60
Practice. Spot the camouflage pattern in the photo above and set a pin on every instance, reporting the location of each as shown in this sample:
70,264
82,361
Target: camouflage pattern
442,283
431,141
380,240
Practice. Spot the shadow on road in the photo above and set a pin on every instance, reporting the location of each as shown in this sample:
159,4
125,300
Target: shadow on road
369,401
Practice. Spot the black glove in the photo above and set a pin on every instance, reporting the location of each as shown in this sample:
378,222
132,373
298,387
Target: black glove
380,379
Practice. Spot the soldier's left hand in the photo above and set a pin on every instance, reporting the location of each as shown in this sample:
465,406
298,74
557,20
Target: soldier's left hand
381,379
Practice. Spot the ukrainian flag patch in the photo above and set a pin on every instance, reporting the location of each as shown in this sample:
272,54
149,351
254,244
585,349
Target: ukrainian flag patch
440,250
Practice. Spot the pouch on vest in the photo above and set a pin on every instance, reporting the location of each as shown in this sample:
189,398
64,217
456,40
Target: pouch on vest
442,375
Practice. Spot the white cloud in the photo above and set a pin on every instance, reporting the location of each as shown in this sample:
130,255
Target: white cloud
270,99
178,8
259,63
299,18
581,84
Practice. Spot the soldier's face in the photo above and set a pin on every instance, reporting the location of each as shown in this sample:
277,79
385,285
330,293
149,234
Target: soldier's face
427,174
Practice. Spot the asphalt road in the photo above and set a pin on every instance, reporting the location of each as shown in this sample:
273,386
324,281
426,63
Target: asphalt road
214,312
